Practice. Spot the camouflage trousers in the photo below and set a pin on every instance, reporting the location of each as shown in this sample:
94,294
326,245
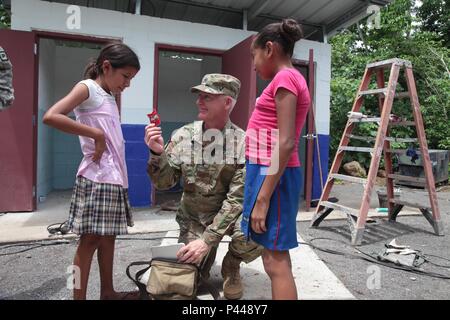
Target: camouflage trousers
239,247
6,89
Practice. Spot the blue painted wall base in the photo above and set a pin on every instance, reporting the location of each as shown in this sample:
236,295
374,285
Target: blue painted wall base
324,146
136,153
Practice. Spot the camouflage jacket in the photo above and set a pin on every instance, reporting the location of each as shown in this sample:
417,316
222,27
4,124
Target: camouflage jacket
6,89
212,192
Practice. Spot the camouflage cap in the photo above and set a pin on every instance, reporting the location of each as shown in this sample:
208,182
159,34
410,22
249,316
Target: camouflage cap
217,83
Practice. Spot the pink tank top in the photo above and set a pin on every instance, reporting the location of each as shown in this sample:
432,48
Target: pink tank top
100,111
262,128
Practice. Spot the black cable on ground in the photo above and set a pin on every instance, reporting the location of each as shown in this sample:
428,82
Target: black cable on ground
35,245
368,257
61,228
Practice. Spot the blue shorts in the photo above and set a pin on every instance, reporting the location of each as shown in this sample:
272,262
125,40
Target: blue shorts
281,225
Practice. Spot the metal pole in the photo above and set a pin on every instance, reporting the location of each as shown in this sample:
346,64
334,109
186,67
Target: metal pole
245,20
138,7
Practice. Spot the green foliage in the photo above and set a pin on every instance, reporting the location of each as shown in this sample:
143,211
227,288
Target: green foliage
435,17
401,35
5,18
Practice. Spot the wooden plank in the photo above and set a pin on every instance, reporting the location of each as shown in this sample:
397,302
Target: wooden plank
335,206
361,138
407,140
410,204
356,149
352,120
400,151
348,178
403,123
382,91
385,63
406,178
390,139
402,95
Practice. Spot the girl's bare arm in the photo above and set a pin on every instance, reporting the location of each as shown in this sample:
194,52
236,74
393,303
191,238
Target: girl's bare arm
57,117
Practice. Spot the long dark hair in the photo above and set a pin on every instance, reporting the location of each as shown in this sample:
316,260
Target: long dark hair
118,54
286,33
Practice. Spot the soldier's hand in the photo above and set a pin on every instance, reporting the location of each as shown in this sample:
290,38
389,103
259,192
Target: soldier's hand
153,138
193,252
258,216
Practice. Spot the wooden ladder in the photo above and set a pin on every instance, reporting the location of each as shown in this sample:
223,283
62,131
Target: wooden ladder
386,95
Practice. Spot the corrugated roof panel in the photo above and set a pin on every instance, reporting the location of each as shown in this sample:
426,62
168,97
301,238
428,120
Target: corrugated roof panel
335,10
313,14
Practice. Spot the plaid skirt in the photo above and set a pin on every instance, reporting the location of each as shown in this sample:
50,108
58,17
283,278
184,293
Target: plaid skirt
99,208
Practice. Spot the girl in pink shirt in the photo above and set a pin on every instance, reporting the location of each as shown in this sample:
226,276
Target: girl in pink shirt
273,180
99,208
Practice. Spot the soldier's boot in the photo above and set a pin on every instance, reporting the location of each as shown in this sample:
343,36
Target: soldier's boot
232,284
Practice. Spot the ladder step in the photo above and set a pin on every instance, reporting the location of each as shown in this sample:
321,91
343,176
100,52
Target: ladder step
403,123
373,91
410,204
364,120
385,63
401,151
348,178
391,139
406,178
402,95
356,149
336,206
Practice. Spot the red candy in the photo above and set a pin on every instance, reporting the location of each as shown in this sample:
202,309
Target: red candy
154,118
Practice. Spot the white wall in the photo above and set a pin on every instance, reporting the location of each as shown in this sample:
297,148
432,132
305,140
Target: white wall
142,32
70,63
322,58
176,103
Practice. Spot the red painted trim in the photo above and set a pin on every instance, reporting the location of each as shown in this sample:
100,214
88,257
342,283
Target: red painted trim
279,218
73,37
36,119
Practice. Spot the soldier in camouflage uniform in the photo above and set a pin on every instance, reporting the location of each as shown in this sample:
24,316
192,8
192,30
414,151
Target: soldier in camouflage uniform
211,205
6,89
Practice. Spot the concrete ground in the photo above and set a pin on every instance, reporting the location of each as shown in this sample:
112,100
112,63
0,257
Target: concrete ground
40,271
370,281
32,275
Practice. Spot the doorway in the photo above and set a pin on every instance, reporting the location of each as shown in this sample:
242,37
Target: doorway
178,69
61,63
